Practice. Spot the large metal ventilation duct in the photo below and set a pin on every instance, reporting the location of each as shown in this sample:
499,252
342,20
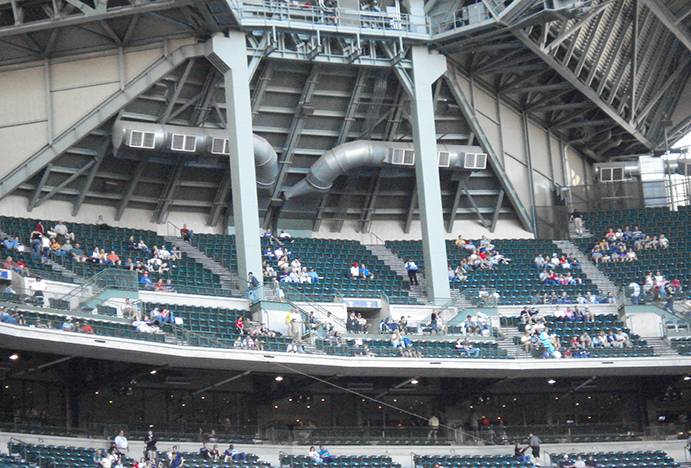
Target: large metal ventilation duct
193,141
343,158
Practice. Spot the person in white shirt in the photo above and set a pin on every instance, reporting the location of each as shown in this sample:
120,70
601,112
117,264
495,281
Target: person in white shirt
120,442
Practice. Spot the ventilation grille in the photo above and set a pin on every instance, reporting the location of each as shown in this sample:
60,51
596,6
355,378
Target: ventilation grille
612,174
403,157
184,143
475,161
141,139
444,158
220,146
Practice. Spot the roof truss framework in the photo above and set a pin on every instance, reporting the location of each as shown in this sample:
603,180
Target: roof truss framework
615,69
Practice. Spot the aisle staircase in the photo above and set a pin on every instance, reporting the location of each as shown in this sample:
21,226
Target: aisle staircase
506,343
397,265
591,271
661,346
229,281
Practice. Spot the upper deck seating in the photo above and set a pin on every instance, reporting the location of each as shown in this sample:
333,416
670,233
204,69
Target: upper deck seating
515,282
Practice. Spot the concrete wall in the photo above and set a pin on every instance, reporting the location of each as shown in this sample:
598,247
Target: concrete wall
43,100
532,157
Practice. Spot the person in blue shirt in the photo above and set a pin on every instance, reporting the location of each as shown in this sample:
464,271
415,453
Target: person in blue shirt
232,454
175,459
324,454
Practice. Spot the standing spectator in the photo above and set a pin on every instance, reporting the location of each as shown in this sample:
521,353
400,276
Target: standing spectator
175,459
535,442
151,450
295,324
433,424
252,285
412,269
577,219
38,288
120,442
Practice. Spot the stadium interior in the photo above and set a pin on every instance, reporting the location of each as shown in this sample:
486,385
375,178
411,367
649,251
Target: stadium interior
414,232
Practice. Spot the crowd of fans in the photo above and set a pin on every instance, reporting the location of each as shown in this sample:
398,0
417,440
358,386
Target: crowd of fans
279,263
482,256
537,335
621,245
60,242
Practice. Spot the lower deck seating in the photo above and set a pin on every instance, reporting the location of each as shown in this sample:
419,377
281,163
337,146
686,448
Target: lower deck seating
566,330
681,345
353,461
469,461
434,349
648,459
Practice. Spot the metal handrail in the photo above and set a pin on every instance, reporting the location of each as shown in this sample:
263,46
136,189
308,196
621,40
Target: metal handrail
302,297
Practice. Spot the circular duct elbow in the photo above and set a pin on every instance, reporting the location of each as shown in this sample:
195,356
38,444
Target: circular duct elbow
265,162
338,161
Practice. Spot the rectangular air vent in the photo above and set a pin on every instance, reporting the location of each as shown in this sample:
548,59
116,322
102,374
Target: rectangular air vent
220,146
184,143
611,174
444,158
140,139
475,161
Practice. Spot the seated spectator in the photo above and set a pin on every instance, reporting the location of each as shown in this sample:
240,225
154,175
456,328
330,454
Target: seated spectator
519,453
67,325
146,281
206,453
623,338
86,328
77,254
468,349
526,341
164,253
169,286
96,256
295,347
141,245
314,455
402,324
591,463
11,244
232,454
284,237
354,271
362,324
463,244
365,273
567,462
113,259
175,254
579,463
159,286
324,454
397,340
185,233
101,223
313,276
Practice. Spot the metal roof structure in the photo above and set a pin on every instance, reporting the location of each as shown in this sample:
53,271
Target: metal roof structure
606,75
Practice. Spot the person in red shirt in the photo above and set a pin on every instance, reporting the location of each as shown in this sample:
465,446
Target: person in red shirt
239,325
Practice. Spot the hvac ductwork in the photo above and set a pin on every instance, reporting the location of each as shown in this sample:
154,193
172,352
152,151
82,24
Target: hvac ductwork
193,141
360,153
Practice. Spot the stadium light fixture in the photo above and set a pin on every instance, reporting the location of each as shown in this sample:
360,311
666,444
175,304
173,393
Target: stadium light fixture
688,377
414,382
551,381
14,356
278,378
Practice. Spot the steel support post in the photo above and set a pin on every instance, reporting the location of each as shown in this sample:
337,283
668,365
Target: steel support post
229,54
427,68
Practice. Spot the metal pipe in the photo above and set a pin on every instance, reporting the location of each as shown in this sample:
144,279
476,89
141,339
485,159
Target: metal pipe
341,159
